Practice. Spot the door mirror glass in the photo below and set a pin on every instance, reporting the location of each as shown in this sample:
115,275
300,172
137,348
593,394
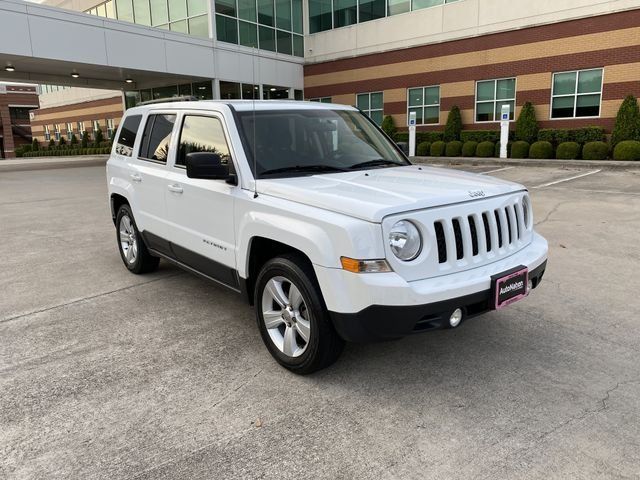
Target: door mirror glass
206,165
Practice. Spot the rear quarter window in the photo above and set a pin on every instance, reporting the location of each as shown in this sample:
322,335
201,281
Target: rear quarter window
127,135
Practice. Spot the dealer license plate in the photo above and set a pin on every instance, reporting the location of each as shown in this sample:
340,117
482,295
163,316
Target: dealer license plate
510,287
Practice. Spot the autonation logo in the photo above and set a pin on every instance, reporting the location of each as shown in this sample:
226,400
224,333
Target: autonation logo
513,286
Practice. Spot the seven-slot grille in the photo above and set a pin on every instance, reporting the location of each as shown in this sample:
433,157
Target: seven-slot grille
468,236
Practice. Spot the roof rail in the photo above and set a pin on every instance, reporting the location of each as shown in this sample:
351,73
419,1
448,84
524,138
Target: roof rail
183,98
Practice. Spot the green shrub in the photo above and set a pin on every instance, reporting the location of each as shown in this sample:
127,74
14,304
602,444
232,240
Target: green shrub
453,128
52,143
568,151
480,136
454,148
627,125
469,148
556,136
595,151
35,145
98,138
520,149
541,150
85,139
527,125
62,141
627,150
437,149
74,139
423,149
388,126
420,137
485,149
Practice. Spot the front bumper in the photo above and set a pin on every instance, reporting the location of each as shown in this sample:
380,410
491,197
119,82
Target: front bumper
383,322
370,307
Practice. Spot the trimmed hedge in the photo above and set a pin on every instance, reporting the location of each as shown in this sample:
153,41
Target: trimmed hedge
541,150
520,149
595,151
469,148
423,149
68,152
527,125
627,126
480,136
485,149
627,150
420,137
454,125
568,151
454,149
556,136
438,149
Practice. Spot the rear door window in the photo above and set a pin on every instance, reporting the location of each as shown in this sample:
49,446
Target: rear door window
156,139
127,135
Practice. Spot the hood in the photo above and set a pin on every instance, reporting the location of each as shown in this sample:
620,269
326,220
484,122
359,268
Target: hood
373,194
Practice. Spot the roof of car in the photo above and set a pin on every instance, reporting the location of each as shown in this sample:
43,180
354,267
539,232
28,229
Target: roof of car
241,105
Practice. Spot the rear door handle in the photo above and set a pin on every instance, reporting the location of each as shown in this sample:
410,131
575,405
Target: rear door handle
175,188
135,177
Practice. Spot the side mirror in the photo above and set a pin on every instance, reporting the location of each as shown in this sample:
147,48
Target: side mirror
206,165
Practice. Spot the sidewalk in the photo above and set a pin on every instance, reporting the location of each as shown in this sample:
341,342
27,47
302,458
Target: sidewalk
605,164
43,163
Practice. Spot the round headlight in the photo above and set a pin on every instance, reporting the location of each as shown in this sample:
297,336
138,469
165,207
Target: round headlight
405,240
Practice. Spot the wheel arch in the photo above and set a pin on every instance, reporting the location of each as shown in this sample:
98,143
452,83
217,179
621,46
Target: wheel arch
117,200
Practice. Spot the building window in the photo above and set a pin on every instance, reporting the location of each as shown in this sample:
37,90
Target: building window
372,105
96,126
69,130
56,132
320,16
576,94
47,133
230,90
110,128
81,129
272,92
425,101
345,12
270,25
491,95
321,99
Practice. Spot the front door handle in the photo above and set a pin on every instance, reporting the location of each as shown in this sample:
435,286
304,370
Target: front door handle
135,177
175,188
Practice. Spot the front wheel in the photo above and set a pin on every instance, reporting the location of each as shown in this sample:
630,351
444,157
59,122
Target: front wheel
292,318
132,249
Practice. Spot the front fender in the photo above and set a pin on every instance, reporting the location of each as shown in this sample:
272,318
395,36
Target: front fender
321,235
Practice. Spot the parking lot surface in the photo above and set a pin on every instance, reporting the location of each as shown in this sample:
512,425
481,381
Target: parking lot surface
104,374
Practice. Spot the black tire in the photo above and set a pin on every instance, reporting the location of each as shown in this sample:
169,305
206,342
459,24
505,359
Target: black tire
324,345
144,262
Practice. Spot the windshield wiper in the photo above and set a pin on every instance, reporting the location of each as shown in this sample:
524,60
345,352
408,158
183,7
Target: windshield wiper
303,168
374,163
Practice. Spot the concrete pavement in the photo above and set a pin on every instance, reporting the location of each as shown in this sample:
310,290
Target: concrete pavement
104,374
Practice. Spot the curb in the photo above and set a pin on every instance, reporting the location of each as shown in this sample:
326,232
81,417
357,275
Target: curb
47,163
474,161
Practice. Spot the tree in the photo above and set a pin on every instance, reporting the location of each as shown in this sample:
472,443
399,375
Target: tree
627,125
454,125
85,140
113,137
62,141
389,126
99,138
52,143
527,125
35,145
74,139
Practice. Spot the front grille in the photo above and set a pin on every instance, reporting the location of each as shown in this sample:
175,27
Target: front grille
496,231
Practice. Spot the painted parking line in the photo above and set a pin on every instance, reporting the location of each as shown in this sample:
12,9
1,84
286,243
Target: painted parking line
497,170
568,179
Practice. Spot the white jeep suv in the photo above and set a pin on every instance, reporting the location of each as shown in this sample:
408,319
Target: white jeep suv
319,220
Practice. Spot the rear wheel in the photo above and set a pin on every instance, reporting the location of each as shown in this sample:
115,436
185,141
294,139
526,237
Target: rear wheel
292,318
132,249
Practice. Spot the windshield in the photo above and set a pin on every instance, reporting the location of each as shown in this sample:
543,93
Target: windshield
305,142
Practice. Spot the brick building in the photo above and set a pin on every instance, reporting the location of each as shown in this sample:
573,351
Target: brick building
16,101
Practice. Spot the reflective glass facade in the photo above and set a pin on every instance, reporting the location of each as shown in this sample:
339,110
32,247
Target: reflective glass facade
328,14
183,16
273,25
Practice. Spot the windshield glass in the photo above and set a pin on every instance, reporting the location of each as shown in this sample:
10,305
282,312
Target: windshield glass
306,142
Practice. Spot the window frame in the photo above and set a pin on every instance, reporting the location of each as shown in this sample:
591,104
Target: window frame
321,99
575,94
369,110
141,136
424,105
495,99
225,130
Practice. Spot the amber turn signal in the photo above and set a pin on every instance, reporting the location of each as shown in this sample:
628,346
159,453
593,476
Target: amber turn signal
364,266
